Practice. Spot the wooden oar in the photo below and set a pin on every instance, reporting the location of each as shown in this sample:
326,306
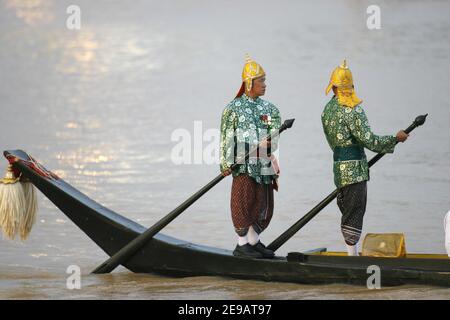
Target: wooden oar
285,236
133,246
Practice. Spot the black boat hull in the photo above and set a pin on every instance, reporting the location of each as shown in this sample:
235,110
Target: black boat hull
173,257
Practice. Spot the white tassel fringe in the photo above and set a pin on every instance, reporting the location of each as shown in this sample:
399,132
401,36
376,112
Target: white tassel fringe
30,209
12,208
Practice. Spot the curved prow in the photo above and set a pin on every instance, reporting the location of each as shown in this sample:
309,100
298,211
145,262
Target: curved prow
109,230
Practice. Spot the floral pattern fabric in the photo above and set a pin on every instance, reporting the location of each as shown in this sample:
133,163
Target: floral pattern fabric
347,127
245,122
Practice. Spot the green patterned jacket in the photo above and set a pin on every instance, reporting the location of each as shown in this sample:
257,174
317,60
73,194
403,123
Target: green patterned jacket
243,125
348,132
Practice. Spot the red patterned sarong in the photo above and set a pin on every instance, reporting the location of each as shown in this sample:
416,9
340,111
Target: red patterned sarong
251,204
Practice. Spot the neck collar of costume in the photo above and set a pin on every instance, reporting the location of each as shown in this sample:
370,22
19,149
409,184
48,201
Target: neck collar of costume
250,99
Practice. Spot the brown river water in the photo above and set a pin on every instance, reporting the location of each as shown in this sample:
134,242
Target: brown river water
98,106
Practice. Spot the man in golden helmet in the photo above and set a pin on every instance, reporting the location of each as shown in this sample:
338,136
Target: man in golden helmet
347,131
252,71
245,122
341,81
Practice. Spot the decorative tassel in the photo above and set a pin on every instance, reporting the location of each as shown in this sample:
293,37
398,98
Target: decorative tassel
18,206
12,204
30,211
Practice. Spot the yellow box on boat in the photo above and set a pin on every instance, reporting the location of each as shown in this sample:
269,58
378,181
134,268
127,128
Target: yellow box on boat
384,245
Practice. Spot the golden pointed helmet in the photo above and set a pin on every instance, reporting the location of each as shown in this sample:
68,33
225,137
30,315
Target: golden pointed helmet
342,79
252,70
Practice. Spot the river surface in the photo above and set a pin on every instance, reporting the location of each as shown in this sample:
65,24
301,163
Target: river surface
99,105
